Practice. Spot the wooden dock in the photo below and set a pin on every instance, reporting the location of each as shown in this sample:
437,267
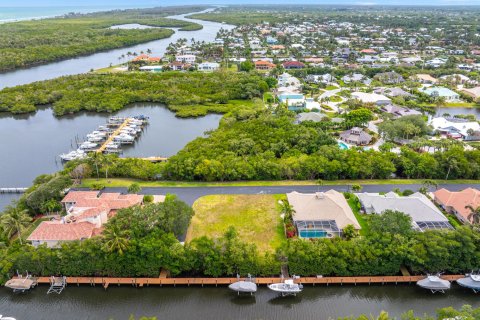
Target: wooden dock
155,159
143,282
113,135
13,190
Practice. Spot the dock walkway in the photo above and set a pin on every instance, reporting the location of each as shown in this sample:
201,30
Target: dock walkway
141,282
13,190
113,135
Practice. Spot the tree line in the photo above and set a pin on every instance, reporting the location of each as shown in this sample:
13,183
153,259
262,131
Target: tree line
189,94
26,43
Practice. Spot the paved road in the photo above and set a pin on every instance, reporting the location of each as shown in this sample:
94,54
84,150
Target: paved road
190,194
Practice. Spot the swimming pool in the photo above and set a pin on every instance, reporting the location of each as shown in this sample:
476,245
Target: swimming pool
313,233
342,145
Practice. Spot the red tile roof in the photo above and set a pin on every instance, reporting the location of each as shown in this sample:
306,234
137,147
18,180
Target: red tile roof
58,231
459,200
74,196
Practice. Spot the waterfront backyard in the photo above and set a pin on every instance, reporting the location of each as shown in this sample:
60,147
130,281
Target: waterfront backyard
256,218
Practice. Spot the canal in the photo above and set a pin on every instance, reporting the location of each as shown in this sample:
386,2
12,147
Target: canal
320,302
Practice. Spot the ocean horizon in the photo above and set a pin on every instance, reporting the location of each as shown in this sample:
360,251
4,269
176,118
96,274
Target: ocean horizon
48,9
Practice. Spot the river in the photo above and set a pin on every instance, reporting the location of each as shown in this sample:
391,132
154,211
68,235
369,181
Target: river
42,137
104,59
320,302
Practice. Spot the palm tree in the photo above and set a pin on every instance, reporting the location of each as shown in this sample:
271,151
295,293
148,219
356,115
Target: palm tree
115,240
15,221
287,210
474,216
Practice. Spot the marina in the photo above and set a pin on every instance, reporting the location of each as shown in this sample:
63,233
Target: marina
110,137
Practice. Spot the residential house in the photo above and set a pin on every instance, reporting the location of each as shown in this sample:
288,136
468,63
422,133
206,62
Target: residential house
398,111
321,214
389,77
456,127
393,92
441,92
186,58
87,212
293,65
424,78
473,92
456,202
147,58
264,65
208,66
292,99
151,68
425,215
310,104
178,66
356,136
309,116
378,99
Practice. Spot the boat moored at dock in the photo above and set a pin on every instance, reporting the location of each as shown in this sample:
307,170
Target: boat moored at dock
21,284
434,283
288,287
471,281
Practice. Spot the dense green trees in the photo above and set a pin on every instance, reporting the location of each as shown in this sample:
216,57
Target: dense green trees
26,43
189,94
407,127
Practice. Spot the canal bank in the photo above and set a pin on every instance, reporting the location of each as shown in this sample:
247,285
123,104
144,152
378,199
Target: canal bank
182,302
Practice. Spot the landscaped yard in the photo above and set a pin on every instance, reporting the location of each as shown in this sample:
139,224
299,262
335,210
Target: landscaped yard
255,217
361,218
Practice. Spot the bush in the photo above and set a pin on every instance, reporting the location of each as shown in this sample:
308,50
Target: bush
148,198
97,186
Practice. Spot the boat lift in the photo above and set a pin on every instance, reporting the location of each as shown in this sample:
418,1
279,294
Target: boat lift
57,285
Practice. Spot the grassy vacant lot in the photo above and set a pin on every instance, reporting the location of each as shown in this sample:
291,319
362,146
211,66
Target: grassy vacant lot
255,217
117,182
361,218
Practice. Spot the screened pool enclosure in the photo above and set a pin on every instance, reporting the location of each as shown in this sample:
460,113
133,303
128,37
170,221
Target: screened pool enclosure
309,229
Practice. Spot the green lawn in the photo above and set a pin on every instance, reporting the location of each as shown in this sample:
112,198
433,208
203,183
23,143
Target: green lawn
330,87
255,217
115,182
361,218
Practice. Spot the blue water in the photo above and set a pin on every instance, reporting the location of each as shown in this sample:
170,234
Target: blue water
342,146
24,13
313,233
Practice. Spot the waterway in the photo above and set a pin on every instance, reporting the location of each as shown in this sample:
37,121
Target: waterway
320,302
42,137
31,143
104,59
458,110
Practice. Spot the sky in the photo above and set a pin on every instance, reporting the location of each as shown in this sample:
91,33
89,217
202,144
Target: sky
143,3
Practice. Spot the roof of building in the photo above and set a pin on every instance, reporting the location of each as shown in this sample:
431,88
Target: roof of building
417,205
425,77
441,91
330,205
461,126
475,92
310,116
458,200
369,97
58,231
356,135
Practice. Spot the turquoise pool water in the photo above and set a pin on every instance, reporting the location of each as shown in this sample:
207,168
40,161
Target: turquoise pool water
342,145
313,233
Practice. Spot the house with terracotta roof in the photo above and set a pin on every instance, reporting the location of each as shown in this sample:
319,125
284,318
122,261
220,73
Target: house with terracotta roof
454,202
87,212
293,65
147,58
264,65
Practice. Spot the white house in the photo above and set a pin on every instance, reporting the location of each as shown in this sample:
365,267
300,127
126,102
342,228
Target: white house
378,99
454,127
208,66
186,58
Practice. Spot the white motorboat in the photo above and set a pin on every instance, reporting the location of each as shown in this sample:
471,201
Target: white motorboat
471,281
243,287
6,318
96,139
73,155
124,138
87,145
434,283
287,287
